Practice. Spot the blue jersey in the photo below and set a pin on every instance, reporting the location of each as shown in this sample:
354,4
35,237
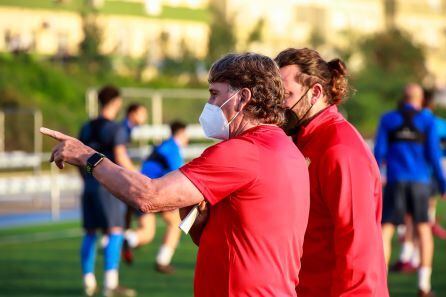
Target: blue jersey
440,125
127,128
409,160
165,158
103,136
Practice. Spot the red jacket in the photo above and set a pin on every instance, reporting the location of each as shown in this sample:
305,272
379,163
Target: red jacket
343,248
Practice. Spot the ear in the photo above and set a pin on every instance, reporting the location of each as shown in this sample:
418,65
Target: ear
245,97
316,93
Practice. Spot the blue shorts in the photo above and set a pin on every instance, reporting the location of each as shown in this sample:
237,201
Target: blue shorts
401,198
100,209
435,188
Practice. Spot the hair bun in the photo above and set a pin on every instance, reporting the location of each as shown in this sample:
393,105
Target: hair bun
337,66
339,83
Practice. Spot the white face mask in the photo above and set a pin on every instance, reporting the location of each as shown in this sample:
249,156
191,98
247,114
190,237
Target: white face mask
214,122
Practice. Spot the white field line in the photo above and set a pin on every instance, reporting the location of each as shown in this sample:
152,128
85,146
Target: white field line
40,236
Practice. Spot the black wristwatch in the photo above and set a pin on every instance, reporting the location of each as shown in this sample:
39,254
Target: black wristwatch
94,161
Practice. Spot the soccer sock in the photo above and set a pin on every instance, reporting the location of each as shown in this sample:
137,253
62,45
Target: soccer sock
88,253
424,278
132,238
89,280
111,279
406,251
112,255
165,254
112,252
415,261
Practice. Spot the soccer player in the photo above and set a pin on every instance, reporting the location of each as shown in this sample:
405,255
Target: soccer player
343,253
407,142
100,209
440,124
165,158
409,259
255,180
136,115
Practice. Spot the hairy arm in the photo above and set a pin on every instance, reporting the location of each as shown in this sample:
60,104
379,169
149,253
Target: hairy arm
169,192
172,191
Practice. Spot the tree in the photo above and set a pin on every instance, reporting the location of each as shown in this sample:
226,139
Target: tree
89,48
390,60
256,33
222,38
317,38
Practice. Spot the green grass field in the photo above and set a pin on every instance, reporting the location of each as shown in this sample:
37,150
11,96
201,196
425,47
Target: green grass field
44,261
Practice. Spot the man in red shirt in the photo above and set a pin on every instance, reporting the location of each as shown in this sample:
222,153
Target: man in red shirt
255,180
343,250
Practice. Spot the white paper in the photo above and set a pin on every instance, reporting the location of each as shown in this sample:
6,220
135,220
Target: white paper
189,220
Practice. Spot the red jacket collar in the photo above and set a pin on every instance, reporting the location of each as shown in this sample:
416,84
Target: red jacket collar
307,131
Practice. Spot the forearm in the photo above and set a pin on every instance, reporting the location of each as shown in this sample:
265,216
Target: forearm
133,188
170,192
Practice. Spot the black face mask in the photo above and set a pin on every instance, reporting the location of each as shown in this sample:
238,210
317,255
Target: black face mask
292,122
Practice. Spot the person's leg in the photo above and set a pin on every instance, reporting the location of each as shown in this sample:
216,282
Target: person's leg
114,211
407,247
88,256
127,254
437,230
393,214
387,233
112,255
171,238
88,246
145,232
420,200
426,256
416,256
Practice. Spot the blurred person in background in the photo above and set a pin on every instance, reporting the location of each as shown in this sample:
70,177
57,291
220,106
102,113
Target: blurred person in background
409,258
407,143
136,115
164,158
255,181
343,254
429,105
100,209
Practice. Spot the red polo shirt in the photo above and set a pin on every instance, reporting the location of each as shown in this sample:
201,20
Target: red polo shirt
258,186
343,248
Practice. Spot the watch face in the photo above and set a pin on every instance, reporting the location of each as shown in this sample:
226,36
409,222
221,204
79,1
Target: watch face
94,160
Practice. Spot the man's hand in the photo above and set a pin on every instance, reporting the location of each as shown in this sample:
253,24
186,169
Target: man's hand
199,224
69,149
203,211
